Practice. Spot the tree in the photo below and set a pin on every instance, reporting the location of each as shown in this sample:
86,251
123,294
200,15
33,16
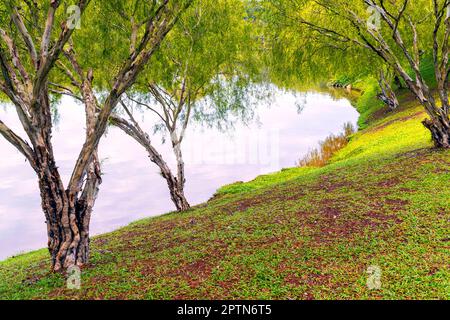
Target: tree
296,58
395,32
208,43
26,69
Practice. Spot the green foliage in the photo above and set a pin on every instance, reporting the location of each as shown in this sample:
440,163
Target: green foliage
104,40
368,103
427,70
294,54
211,53
311,42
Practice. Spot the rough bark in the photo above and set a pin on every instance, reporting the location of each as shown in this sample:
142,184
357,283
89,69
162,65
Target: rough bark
440,132
177,191
67,221
68,241
176,188
63,237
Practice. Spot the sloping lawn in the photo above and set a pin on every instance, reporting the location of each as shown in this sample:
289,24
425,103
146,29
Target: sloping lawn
303,233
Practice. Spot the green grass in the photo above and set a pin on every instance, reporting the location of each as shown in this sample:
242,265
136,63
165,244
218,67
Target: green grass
368,104
302,233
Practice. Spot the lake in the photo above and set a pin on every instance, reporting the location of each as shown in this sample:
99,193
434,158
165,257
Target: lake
132,187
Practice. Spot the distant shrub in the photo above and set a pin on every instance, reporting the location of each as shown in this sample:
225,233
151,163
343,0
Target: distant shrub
320,156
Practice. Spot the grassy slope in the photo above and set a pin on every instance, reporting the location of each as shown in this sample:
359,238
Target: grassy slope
297,234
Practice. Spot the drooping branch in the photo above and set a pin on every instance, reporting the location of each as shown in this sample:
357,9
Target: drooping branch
175,183
142,104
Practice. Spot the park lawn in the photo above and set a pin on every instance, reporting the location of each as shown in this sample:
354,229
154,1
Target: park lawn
302,233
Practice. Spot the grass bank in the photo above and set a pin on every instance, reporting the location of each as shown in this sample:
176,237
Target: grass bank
302,233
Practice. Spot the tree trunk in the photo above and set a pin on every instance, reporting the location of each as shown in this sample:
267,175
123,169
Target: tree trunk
84,207
183,205
440,132
180,200
67,224
67,213
175,185
176,192
387,95
62,220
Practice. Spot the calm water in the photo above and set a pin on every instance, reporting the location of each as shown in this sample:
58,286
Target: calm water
133,189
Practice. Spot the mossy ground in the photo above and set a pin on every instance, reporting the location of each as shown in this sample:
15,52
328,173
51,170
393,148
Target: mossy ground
303,233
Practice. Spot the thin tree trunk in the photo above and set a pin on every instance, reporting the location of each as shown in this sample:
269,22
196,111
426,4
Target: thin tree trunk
86,201
387,95
181,178
84,207
175,185
176,188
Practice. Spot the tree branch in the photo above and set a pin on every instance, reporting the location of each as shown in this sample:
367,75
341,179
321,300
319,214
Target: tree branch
49,56
21,145
17,19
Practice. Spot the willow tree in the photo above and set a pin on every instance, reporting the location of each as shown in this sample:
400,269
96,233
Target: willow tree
397,33
298,59
31,47
204,54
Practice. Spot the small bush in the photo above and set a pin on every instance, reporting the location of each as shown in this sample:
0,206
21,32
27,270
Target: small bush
320,156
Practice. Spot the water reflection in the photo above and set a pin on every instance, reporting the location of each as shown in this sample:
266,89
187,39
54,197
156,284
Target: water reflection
132,187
